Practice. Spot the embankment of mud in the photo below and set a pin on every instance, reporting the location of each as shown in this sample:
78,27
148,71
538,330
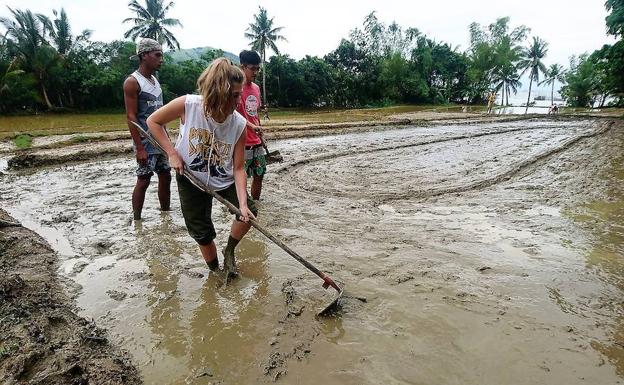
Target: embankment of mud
63,150
35,159
42,339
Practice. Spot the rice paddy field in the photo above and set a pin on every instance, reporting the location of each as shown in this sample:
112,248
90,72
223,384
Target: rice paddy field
62,124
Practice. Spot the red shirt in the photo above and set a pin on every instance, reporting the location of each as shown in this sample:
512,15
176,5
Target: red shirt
249,107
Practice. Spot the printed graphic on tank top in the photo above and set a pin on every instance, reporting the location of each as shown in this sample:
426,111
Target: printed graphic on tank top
207,153
207,146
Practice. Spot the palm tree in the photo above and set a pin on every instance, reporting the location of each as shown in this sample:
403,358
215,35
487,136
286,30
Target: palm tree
44,60
554,73
495,52
24,33
7,75
507,79
24,83
507,53
262,34
151,21
25,39
532,61
60,34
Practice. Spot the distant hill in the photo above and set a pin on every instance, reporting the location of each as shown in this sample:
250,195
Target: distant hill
195,54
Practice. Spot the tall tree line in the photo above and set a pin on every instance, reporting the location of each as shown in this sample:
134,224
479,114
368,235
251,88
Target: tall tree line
45,66
597,79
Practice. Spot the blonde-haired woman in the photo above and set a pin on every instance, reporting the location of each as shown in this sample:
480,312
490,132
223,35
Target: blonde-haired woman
211,143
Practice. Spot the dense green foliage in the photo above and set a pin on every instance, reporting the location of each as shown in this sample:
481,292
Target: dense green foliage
615,19
594,79
494,56
377,65
44,66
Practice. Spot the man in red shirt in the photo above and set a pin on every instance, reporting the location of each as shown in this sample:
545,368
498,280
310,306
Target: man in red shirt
249,106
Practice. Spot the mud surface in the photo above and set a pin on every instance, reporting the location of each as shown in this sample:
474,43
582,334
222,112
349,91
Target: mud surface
43,340
488,253
62,149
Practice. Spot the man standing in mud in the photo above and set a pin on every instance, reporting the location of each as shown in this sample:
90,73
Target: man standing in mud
255,159
143,96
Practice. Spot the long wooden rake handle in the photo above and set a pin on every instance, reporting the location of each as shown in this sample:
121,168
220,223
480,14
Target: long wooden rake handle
327,281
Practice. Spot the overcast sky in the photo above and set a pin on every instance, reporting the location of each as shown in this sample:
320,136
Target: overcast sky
316,27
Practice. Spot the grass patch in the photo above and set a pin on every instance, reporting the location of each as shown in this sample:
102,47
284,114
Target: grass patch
8,350
23,141
84,139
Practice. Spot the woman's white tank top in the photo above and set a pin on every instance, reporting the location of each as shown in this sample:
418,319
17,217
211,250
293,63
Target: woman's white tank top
207,147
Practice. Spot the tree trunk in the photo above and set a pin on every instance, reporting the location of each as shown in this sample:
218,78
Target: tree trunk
71,98
526,110
552,94
279,88
264,75
45,97
507,97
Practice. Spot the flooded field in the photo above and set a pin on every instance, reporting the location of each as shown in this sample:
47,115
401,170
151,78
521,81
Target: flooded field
488,253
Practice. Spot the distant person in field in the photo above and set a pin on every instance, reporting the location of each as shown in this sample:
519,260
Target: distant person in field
266,112
249,107
491,100
143,96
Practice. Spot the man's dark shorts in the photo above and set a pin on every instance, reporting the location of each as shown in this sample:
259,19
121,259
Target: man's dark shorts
156,163
197,209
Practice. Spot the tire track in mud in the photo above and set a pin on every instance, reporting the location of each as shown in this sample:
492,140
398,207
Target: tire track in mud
326,128
514,168
292,166
65,151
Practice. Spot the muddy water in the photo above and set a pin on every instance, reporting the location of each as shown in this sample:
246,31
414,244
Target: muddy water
488,253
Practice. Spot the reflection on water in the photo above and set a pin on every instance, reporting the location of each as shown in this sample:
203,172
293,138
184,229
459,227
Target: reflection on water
606,256
179,323
202,333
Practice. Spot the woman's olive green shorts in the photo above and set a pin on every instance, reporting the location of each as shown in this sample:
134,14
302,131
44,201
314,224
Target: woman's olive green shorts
197,209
